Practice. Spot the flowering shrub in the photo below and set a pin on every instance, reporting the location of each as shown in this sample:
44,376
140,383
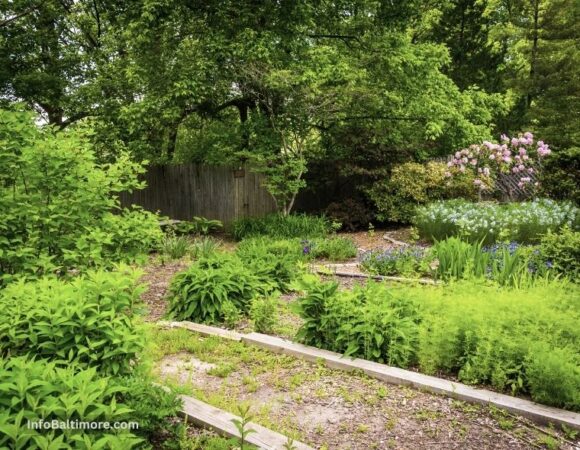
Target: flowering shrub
491,222
519,155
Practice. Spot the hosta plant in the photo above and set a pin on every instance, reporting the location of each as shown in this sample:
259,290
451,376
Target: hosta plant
200,293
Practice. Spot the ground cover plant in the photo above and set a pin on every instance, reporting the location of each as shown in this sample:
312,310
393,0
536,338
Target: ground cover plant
518,341
489,222
406,261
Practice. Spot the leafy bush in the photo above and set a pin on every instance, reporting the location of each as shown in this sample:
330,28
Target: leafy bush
520,341
278,226
273,262
200,292
333,249
368,322
152,407
560,177
352,213
263,314
406,261
412,184
492,222
84,321
562,252
60,209
39,390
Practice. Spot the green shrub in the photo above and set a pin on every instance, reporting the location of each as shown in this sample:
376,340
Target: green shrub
560,175
153,407
60,209
368,322
231,314
520,341
263,314
278,226
352,213
39,390
86,321
273,262
561,251
491,222
200,292
333,249
412,184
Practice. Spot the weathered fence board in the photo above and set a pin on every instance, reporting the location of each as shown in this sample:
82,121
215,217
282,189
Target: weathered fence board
184,191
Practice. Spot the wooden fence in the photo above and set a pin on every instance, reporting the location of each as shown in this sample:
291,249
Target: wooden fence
184,191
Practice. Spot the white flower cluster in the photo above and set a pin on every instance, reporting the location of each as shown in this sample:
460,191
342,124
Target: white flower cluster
519,221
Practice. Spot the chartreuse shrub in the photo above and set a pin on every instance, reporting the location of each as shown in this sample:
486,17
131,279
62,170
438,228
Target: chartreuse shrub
86,321
489,222
200,293
519,341
60,208
39,390
412,184
561,251
279,226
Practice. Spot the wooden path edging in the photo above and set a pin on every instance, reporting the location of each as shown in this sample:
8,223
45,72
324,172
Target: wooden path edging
330,271
394,375
207,416
205,330
534,411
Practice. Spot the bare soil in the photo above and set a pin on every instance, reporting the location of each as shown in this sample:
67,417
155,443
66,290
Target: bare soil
330,409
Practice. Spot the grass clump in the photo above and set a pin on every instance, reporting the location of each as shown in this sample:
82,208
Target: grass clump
278,226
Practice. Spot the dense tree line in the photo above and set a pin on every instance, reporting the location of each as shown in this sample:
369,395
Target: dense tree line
356,84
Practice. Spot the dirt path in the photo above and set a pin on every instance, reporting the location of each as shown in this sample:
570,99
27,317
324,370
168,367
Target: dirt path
335,410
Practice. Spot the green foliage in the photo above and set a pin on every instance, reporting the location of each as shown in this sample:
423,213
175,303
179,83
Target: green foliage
199,225
278,226
263,314
507,264
333,248
368,322
152,407
60,210
175,247
273,262
561,251
86,322
520,341
200,292
204,247
352,213
491,222
413,184
242,424
560,177
39,390
231,314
